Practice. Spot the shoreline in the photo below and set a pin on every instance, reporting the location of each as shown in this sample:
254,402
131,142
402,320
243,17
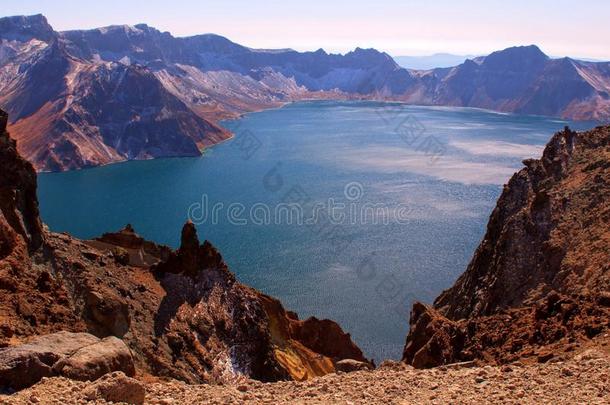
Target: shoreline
232,136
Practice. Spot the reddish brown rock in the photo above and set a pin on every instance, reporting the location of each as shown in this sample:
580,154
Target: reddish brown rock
18,202
433,339
549,231
129,248
31,299
116,387
350,366
326,337
307,348
109,312
91,362
79,356
191,258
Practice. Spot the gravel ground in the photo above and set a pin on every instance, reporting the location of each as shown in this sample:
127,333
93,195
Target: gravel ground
584,379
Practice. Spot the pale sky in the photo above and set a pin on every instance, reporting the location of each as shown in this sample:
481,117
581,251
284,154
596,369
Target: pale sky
399,27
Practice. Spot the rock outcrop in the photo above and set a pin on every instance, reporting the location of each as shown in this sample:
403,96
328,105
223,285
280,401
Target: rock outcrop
79,356
433,339
31,297
549,231
204,296
18,202
132,249
182,313
539,281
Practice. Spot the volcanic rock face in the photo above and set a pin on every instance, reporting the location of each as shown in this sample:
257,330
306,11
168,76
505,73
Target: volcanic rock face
91,97
71,113
131,249
18,203
181,313
540,277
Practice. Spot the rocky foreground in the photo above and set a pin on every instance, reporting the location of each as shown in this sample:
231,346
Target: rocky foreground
583,378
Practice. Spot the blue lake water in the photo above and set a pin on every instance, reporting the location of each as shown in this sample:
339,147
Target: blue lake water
432,175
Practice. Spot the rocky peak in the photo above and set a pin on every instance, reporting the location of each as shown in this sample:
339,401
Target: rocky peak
189,249
192,258
558,153
132,249
367,58
189,241
24,28
518,58
212,43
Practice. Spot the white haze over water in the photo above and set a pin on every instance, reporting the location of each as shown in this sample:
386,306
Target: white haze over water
395,160
500,148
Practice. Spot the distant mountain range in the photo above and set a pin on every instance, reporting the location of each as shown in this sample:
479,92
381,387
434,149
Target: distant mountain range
85,98
438,60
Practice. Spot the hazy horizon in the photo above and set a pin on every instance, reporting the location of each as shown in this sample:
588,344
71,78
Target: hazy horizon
469,28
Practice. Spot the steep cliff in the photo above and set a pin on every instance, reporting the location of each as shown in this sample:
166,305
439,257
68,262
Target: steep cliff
69,113
18,203
182,313
541,275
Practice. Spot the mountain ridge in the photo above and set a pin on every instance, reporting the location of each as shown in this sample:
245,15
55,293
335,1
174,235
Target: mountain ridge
207,78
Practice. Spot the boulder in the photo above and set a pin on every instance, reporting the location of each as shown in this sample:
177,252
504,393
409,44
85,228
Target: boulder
24,365
350,365
74,355
116,387
91,362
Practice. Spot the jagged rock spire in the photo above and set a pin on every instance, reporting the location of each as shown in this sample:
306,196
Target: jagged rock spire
192,257
189,249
